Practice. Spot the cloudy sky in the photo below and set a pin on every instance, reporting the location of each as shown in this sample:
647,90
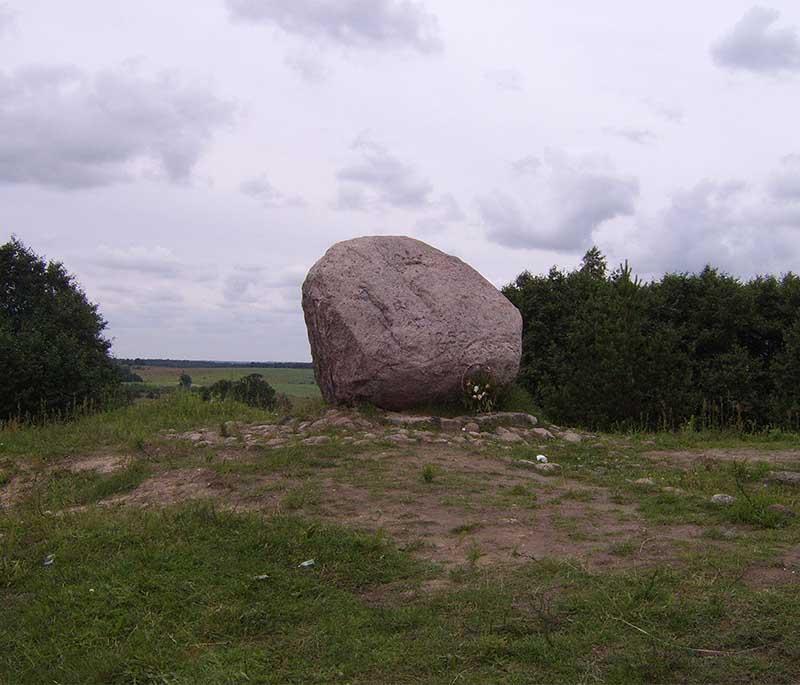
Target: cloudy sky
189,161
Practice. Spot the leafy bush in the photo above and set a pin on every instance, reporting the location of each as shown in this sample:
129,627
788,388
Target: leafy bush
185,381
53,356
252,390
702,350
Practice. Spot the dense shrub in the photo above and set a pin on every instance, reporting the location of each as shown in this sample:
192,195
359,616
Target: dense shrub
53,356
606,350
252,390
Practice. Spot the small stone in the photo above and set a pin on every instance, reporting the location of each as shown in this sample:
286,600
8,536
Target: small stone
508,436
543,433
782,510
275,442
472,427
673,491
723,500
319,425
317,440
450,425
784,477
369,436
548,468
645,482
571,436
304,426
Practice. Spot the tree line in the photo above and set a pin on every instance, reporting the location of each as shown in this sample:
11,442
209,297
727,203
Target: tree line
606,350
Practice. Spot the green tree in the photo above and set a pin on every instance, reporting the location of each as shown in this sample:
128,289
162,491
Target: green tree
53,356
185,381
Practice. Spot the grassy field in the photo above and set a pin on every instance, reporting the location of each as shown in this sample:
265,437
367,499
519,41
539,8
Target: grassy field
292,382
129,557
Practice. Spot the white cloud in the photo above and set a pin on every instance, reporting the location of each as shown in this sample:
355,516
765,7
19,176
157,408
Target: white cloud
639,136
572,199
7,18
755,44
262,190
785,183
505,79
378,179
526,165
308,66
67,129
732,225
374,24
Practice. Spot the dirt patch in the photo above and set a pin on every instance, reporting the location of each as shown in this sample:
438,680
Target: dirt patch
691,458
230,491
170,487
15,491
432,526
784,572
397,593
101,463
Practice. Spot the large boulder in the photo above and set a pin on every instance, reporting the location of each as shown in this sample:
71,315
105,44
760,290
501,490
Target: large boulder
395,322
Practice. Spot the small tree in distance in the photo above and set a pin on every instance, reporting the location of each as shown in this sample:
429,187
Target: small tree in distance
185,381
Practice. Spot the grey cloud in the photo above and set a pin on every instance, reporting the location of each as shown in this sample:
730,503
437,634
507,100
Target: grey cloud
380,179
151,262
576,198
526,165
443,212
255,283
310,68
728,224
505,79
357,23
262,190
755,44
7,18
640,136
785,184
670,113
110,127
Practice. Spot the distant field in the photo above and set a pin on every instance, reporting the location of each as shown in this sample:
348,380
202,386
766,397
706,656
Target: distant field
293,382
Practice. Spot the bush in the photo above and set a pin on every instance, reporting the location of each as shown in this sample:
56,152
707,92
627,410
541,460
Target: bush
252,390
53,356
605,350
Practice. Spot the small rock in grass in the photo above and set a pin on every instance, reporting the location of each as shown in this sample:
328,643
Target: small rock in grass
723,500
541,458
644,482
508,436
548,468
317,440
472,427
450,425
275,442
784,477
673,491
543,433
571,436
782,510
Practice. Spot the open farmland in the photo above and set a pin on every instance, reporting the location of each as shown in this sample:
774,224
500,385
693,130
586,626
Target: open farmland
292,382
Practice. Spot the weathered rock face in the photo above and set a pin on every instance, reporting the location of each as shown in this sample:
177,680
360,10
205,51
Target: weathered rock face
396,322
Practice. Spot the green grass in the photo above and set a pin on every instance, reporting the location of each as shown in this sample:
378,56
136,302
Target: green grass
178,595
292,382
129,427
193,595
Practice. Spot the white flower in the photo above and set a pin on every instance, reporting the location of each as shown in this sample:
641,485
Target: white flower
476,389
